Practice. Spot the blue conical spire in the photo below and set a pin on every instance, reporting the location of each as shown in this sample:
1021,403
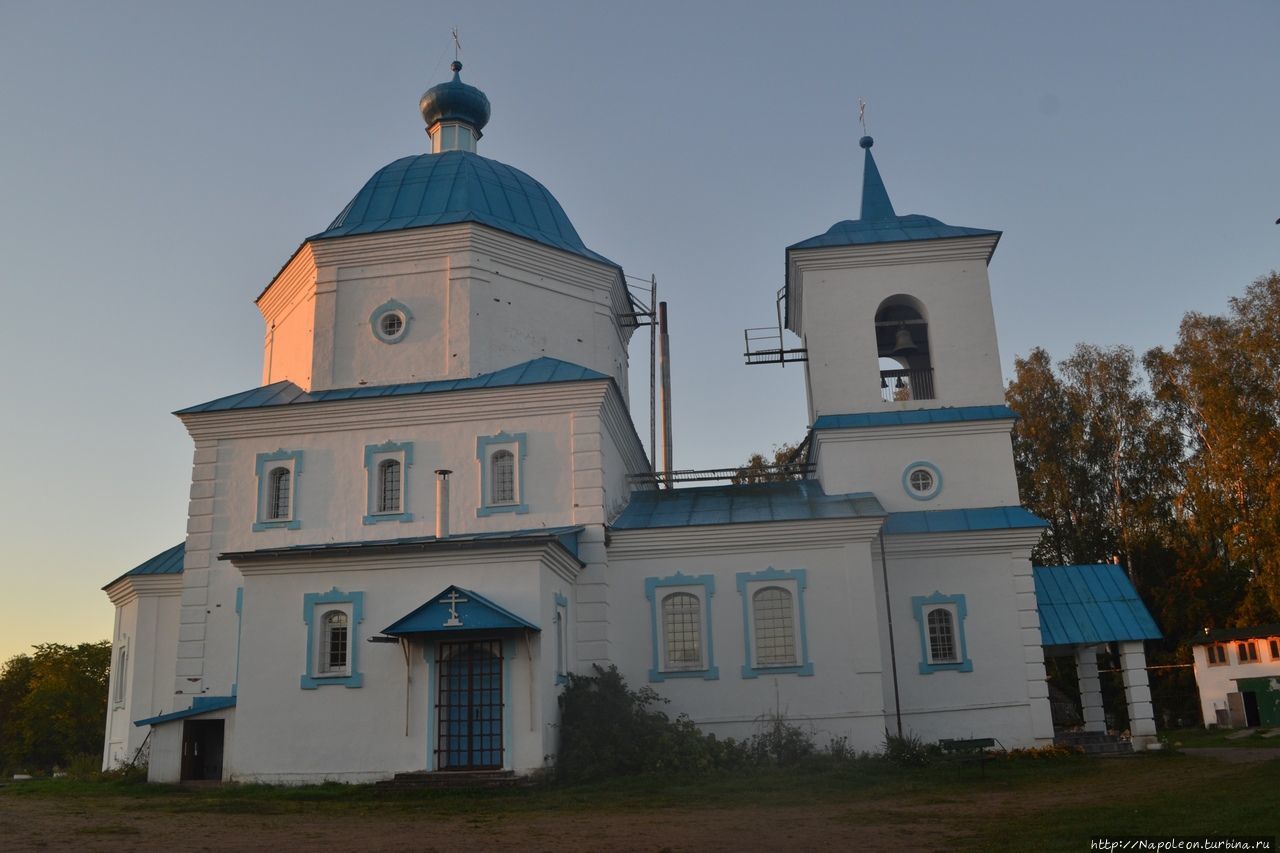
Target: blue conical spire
875,198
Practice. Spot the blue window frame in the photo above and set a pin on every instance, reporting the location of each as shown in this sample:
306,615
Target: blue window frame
680,627
501,459
390,321
387,469
333,638
278,474
940,619
774,635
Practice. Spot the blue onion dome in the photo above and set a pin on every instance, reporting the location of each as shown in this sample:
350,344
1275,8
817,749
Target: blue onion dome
455,101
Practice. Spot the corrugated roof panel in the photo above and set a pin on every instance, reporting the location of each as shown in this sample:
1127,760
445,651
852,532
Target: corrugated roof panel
536,372
957,520
1083,605
742,504
458,186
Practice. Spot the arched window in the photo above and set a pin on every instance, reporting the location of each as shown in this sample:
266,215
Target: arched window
279,481
682,631
775,627
942,636
389,486
502,477
333,647
121,674
902,344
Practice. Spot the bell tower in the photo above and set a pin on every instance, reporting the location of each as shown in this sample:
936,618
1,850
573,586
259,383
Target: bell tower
902,370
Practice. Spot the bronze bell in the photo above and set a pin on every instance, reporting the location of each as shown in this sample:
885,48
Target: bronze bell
902,342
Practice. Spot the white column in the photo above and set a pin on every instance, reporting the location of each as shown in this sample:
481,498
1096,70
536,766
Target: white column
1095,719
1137,693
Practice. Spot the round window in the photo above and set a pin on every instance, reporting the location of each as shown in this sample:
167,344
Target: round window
390,321
392,325
922,480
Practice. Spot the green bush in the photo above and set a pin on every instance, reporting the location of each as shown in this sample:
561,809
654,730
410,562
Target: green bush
908,750
608,729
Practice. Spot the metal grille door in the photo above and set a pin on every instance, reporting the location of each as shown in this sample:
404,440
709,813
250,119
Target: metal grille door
469,706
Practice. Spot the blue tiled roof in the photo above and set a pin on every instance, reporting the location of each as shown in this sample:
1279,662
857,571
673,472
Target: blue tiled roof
1090,604
199,705
458,186
961,520
475,613
799,500
540,371
897,229
915,416
167,562
565,536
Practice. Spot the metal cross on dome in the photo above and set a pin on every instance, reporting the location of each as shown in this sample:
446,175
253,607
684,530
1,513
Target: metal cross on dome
862,115
453,600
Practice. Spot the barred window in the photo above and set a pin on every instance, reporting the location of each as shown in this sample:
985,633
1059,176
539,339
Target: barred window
942,636
682,631
389,486
775,627
502,477
333,651
121,674
279,481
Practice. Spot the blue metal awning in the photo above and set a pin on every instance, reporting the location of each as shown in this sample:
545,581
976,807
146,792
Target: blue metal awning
199,705
1083,605
457,611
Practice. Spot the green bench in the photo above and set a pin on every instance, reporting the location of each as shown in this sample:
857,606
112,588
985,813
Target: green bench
974,750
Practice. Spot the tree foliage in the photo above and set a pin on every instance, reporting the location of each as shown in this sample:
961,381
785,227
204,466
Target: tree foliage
1181,481
763,469
53,705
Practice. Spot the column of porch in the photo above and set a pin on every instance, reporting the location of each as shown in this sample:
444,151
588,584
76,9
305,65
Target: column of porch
1137,693
1095,719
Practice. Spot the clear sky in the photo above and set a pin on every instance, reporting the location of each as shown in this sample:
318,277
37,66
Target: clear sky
160,161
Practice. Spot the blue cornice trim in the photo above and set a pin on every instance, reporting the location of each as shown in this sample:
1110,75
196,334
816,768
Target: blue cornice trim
913,417
961,520
708,583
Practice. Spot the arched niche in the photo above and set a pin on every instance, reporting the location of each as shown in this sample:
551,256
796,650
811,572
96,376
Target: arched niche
902,348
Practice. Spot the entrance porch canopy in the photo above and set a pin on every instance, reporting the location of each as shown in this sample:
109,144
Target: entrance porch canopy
458,611
1090,605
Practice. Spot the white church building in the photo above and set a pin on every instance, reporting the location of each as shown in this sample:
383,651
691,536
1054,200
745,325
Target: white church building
437,506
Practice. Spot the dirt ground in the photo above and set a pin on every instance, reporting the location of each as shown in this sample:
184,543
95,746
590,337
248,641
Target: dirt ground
37,823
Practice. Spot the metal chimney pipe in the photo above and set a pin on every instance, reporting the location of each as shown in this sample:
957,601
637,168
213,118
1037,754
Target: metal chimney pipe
664,354
442,502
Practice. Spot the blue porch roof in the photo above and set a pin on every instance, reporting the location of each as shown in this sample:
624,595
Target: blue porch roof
199,705
456,610
167,562
1082,605
797,500
961,520
540,371
566,537
946,414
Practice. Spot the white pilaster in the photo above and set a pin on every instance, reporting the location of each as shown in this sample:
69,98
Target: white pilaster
1095,719
1137,693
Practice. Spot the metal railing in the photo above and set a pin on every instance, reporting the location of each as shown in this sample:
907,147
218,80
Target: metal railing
897,385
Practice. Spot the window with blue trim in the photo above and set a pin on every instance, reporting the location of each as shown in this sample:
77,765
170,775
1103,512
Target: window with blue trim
680,626
332,619
278,474
940,619
387,468
775,640
501,460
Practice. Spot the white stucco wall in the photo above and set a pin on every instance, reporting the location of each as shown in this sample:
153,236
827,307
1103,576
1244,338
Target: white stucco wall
975,460
1215,682
841,292
147,624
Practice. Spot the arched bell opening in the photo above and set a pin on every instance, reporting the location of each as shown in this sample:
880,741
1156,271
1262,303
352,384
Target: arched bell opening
902,345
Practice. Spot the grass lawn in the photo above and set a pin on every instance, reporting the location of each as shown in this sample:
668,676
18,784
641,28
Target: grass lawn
1017,804
1200,736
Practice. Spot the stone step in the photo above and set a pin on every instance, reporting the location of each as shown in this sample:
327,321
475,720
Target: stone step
1094,743
442,779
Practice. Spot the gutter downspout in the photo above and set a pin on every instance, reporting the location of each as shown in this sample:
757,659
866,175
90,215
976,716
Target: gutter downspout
893,653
